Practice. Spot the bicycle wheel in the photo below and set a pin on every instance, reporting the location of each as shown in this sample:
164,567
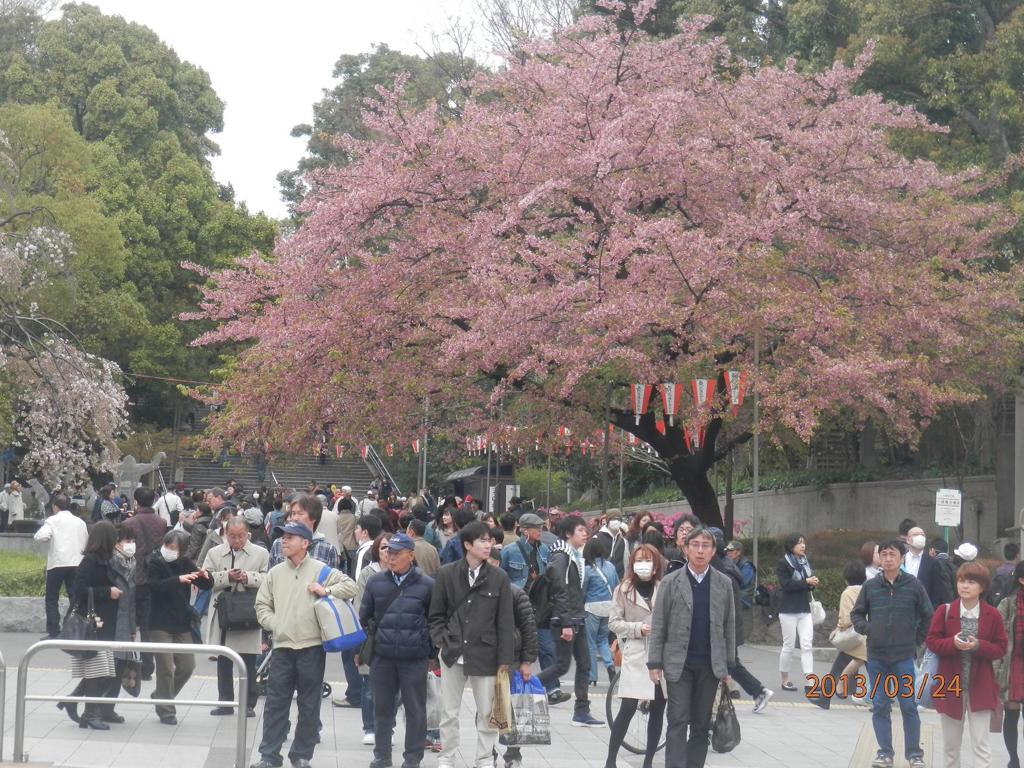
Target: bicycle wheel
635,740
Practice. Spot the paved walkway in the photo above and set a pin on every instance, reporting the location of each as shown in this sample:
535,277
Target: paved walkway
789,734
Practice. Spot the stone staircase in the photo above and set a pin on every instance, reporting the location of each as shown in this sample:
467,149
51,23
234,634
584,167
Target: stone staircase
290,471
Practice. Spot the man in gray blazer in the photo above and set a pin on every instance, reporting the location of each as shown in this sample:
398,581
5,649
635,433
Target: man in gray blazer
692,645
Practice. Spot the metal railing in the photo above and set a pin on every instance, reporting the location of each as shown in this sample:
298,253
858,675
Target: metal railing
3,698
376,464
21,697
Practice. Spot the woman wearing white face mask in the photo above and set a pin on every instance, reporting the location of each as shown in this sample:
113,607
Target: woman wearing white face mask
122,573
613,534
630,620
171,578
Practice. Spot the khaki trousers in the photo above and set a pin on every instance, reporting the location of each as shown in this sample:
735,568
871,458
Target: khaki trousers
172,669
953,736
453,683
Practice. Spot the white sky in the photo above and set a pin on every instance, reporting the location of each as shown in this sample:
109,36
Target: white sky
269,62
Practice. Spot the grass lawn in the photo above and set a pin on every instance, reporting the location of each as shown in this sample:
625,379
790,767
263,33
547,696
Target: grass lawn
22,574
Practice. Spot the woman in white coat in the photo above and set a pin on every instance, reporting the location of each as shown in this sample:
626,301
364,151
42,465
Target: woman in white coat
238,565
630,620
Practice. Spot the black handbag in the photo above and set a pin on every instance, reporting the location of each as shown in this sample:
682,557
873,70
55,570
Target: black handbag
79,627
236,608
725,734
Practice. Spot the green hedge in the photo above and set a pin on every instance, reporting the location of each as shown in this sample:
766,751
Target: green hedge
22,574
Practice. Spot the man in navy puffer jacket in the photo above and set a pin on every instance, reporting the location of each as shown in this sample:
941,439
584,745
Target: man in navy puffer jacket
396,601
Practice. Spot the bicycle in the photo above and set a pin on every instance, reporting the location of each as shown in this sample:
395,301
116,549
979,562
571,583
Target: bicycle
635,740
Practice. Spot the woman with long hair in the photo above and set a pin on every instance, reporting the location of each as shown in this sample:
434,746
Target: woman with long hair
968,635
1010,669
599,582
96,579
638,524
378,562
630,620
869,558
847,663
796,580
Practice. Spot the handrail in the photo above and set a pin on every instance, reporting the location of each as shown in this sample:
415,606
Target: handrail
373,458
3,699
119,645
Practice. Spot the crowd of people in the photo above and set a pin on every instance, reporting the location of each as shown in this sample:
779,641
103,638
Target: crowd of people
449,591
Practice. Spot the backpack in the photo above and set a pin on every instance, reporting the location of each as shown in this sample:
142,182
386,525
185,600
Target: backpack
1002,585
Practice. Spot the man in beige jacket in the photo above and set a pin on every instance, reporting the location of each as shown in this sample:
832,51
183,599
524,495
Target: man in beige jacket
237,565
285,608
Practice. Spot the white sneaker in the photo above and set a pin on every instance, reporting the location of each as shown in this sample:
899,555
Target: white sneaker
368,739
762,701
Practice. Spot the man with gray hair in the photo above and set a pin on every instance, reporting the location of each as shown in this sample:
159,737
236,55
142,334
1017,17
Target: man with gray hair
236,566
691,646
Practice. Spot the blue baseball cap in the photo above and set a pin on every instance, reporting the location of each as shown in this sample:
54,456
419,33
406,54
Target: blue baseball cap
295,529
401,541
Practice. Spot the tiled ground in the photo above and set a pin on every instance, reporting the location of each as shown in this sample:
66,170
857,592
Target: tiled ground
790,734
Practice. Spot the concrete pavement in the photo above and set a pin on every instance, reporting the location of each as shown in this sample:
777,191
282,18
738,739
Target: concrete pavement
791,733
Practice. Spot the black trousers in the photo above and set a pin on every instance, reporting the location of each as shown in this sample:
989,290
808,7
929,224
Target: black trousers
226,680
55,577
391,678
143,608
690,699
353,680
565,653
745,680
300,673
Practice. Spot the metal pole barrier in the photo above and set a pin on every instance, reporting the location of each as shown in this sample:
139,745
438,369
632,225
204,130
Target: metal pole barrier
240,703
3,698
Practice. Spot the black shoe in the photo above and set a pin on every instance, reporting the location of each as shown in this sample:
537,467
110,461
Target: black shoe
250,712
222,711
168,719
111,717
380,762
93,722
71,707
557,697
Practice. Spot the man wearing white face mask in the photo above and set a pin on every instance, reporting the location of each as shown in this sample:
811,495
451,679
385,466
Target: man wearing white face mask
612,532
927,570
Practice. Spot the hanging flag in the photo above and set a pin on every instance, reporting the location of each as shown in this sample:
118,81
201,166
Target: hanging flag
389,449
241,447
641,399
339,451
632,439
564,432
703,390
364,451
736,386
671,394
694,438
660,425
416,447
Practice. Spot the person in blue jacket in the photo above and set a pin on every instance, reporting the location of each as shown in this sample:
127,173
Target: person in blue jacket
599,584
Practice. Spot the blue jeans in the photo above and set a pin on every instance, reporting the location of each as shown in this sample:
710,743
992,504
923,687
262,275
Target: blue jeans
546,656
881,707
597,640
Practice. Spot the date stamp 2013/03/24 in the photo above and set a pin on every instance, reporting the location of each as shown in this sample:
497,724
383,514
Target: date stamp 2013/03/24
891,686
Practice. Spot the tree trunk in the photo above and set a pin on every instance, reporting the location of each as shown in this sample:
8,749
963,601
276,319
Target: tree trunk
692,479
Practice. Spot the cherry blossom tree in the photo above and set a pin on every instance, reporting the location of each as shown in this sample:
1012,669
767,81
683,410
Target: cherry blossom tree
615,209
61,406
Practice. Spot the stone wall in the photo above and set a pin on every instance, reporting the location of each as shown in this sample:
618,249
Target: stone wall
22,542
878,505
25,614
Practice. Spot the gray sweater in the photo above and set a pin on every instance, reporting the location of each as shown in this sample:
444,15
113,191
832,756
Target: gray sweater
672,618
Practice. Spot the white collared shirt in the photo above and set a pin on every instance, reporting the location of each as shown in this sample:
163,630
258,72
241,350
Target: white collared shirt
912,564
474,574
970,613
698,577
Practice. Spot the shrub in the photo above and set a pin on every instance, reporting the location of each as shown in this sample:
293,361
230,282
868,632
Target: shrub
22,574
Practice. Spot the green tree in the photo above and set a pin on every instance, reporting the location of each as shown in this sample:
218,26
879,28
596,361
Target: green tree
145,198
431,79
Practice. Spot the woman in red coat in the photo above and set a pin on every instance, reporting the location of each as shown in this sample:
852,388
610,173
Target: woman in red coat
967,635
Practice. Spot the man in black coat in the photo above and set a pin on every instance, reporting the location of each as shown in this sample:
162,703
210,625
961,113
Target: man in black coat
568,615
917,562
473,629
397,601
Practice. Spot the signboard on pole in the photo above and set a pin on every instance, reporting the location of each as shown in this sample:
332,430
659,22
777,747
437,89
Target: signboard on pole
492,492
947,507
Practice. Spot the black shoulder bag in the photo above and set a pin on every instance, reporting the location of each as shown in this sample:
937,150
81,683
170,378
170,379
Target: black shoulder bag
236,608
79,627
